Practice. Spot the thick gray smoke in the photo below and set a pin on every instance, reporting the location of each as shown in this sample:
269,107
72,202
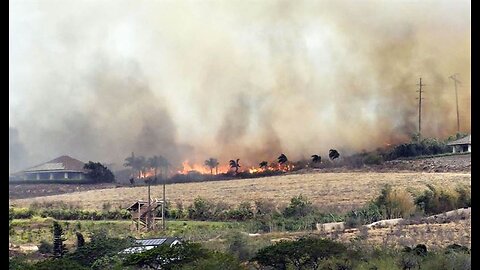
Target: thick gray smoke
231,79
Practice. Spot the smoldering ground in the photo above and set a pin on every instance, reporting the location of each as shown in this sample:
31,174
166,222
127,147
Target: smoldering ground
231,79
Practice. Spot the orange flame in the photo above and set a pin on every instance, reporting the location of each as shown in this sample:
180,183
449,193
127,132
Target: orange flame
256,170
147,173
278,167
189,167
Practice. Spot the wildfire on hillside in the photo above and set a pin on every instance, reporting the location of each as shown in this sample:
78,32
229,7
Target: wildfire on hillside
188,167
276,167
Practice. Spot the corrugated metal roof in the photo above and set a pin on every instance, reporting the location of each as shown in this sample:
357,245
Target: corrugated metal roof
156,241
464,140
151,242
146,244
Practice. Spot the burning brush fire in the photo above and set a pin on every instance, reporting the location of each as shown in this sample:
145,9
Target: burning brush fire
277,167
212,166
221,169
188,167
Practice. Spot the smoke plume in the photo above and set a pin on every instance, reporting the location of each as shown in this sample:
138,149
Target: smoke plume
191,80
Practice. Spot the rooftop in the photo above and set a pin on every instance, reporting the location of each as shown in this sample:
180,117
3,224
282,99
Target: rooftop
464,140
146,244
63,163
156,241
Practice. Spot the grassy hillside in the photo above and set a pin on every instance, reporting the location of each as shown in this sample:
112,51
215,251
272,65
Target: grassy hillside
333,191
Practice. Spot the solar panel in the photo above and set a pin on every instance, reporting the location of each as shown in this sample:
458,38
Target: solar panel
48,166
151,242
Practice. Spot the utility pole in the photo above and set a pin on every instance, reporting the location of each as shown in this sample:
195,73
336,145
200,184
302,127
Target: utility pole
163,202
149,213
420,91
455,81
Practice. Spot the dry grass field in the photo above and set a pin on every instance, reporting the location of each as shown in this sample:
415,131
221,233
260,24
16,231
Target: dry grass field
434,236
333,191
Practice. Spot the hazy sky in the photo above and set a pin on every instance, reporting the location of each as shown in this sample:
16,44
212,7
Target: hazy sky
97,80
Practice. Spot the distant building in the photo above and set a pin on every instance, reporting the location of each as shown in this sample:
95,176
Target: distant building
61,168
462,145
146,244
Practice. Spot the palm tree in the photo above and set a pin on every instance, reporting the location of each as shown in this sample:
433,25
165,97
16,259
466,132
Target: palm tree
282,159
316,158
212,163
163,165
154,163
263,164
141,164
235,164
333,154
136,163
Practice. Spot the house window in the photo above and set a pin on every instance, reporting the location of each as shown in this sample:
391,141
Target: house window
464,148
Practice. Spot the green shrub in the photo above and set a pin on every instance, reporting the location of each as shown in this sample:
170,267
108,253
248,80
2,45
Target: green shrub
336,264
10,218
45,247
363,216
448,261
79,214
108,262
176,214
58,264
99,173
408,261
395,203
464,198
215,261
299,206
238,246
19,263
426,146
436,200
22,213
241,213
306,252
166,257
200,209
456,248
373,159
99,246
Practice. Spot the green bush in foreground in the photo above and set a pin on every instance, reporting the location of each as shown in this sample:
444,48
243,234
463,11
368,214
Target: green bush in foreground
436,200
186,255
305,253
215,261
99,246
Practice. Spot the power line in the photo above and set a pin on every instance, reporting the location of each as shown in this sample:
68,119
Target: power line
455,81
420,91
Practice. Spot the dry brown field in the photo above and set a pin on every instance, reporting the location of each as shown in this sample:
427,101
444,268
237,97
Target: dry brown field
332,191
